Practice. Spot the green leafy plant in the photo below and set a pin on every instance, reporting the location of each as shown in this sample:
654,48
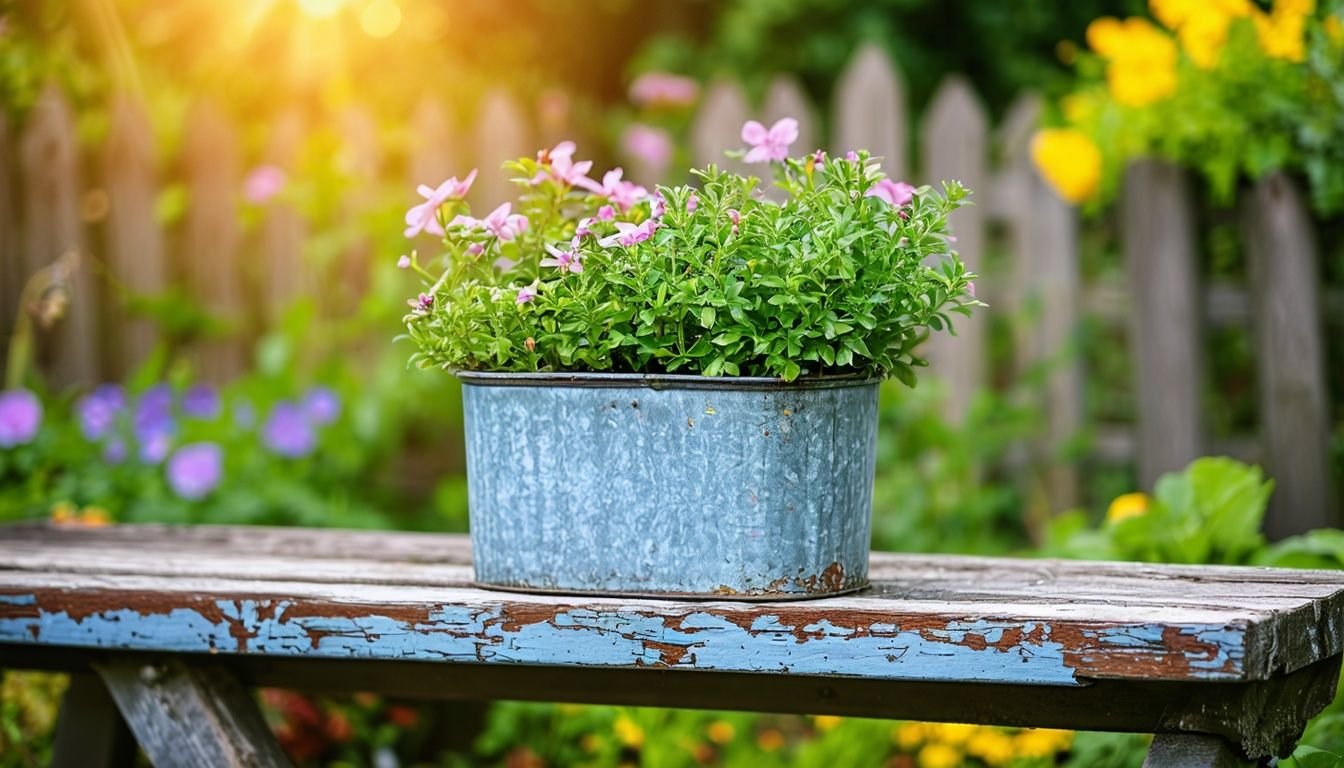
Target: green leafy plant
715,280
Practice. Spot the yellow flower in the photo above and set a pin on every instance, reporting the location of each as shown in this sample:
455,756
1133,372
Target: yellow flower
991,746
1126,506
826,723
1334,29
1282,33
907,736
628,732
721,731
94,517
590,742
64,512
1141,59
1069,161
1041,742
952,733
770,740
938,756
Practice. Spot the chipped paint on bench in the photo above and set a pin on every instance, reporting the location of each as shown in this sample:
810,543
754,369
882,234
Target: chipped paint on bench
710,637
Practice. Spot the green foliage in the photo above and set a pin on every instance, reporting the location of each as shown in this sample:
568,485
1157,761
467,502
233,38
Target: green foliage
1210,512
830,281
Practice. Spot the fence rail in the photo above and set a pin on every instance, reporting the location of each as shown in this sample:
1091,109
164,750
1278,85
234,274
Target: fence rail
53,196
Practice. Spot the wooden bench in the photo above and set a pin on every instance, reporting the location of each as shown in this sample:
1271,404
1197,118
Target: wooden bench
1225,664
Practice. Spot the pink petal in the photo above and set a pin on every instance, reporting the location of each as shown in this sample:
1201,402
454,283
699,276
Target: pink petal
784,131
425,191
753,132
564,149
758,154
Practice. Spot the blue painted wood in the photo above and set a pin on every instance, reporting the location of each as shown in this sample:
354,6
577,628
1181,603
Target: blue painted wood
670,485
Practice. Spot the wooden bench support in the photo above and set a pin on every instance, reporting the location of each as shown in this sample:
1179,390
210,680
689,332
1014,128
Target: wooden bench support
90,732
1192,750
188,715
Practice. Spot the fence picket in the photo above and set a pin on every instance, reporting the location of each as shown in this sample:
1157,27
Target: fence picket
11,267
284,270
1290,356
718,126
501,134
954,138
360,160
432,157
1165,321
209,256
786,98
135,247
869,110
49,161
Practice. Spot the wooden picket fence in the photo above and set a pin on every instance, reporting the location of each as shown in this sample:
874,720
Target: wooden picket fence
54,197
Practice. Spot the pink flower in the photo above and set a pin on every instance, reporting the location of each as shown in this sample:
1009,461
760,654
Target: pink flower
970,288
425,216
263,183
664,88
606,213
772,144
504,225
404,262
651,146
475,249
852,156
565,261
421,304
623,193
526,294
629,234
659,206
734,217
583,230
818,159
692,203
559,161
895,193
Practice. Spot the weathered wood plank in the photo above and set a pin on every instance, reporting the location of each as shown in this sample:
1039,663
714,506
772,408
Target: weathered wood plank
954,137
870,110
1159,226
1189,750
786,98
926,617
90,732
501,133
1225,303
135,247
49,161
210,243
187,715
1290,356
280,258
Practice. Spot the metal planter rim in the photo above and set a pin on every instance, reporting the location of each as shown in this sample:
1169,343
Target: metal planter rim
657,381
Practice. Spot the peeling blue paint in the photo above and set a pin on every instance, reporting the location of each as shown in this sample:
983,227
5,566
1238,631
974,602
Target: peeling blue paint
971,650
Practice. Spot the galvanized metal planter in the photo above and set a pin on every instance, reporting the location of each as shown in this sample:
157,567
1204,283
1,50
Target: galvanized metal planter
685,486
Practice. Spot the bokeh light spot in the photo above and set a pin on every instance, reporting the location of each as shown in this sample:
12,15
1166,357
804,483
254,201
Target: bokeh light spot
320,9
381,18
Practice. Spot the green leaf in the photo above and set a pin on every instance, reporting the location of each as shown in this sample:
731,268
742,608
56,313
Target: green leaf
706,317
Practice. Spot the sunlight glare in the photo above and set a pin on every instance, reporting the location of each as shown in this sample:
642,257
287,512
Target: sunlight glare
381,18
320,9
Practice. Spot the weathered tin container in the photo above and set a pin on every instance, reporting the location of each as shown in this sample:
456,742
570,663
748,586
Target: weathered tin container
683,486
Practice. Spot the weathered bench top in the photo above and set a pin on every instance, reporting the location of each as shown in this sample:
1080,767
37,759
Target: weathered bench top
280,594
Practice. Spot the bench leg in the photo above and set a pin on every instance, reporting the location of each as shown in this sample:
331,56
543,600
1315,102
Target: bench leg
187,715
1192,750
90,732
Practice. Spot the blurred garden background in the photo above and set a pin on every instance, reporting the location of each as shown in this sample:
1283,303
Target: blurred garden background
201,215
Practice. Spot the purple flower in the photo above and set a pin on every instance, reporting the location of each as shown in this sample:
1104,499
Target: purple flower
195,470
98,410
629,234
734,217
818,159
322,406
115,451
20,417
772,144
526,294
565,261
692,203
895,193
606,213
475,249
201,401
652,146
404,262
288,432
154,446
852,156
